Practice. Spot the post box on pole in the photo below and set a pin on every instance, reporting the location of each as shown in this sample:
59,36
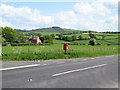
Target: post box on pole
65,47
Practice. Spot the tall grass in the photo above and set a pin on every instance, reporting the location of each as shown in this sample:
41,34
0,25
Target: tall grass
56,52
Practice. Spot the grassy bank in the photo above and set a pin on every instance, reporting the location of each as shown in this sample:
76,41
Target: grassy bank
56,52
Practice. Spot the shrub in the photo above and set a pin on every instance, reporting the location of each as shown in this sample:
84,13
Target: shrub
3,44
98,44
108,44
23,44
92,41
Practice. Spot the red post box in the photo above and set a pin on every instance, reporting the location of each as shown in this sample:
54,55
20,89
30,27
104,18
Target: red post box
65,46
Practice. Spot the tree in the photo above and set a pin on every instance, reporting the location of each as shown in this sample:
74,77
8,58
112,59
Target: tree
103,37
74,37
53,36
91,35
92,42
22,37
42,39
69,39
1,28
48,39
9,34
80,37
60,36
39,35
65,38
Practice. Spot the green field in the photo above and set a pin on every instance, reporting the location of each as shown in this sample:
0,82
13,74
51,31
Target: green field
109,38
98,35
103,42
78,47
56,51
60,41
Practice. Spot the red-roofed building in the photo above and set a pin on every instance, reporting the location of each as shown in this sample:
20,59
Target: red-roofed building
34,39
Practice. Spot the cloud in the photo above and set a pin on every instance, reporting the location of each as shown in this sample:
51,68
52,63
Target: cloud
89,16
23,17
112,2
97,16
5,23
92,8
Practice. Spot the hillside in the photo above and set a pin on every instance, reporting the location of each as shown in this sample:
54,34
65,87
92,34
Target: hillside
49,30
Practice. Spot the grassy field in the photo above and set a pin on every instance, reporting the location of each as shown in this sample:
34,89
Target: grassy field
60,41
56,51
103,42
98,35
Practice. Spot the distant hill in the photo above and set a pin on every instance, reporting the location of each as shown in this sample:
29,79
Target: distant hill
49,30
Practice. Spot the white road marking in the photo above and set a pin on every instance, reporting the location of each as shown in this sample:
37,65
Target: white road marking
85,59
78,70
19,67
38,60
44,64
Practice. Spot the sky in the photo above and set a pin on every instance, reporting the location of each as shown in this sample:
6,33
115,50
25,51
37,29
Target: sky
96,15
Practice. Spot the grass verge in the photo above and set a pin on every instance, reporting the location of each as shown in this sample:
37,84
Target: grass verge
56,52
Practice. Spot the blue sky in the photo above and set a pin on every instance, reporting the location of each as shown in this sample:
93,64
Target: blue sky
100,15
47,8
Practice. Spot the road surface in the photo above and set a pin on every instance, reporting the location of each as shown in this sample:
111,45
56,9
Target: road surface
98,72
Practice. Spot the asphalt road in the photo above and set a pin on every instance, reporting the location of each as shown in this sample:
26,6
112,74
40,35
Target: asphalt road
99,72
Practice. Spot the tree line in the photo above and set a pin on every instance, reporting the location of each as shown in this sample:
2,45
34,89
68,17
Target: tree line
10,35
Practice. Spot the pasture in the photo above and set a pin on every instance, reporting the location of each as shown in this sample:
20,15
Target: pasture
103,42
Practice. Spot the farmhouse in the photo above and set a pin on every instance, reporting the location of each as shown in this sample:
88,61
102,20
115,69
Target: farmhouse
34,39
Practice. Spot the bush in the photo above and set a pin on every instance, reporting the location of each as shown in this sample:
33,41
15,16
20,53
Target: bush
92,42
98,44
3,44
23,44
108,44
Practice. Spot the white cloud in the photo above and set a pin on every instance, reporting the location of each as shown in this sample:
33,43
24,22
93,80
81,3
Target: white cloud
112,2
87,16
96,16
5,23
92,8
84,8
23,17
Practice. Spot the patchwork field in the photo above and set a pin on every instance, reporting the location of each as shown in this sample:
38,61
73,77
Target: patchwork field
103,42
52,45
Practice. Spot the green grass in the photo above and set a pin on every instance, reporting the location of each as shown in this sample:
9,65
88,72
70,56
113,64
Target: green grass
98,35
103,42
56,51
60,41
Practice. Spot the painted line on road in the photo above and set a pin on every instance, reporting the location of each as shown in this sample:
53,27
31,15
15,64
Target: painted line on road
85,59
44,64
19,67
97,57
67,72
60,62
